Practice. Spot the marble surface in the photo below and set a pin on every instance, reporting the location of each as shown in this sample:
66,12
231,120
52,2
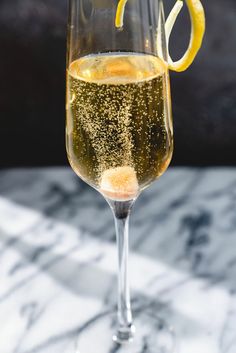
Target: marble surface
58,257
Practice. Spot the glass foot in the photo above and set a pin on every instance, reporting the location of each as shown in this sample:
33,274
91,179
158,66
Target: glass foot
150,335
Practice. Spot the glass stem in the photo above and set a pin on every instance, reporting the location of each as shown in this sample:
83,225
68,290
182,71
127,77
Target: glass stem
121,211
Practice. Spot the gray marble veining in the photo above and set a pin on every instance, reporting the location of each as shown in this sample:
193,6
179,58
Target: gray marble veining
58,267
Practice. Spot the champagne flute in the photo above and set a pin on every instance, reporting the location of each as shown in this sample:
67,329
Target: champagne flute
119,136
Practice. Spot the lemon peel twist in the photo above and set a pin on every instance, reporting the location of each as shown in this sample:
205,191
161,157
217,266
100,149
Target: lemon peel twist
120,13
197,17
171,19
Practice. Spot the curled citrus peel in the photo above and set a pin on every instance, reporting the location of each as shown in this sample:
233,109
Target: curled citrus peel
120,13
197,17
171,19
119,183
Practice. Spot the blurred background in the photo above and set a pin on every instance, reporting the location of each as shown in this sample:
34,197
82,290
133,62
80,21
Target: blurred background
32,85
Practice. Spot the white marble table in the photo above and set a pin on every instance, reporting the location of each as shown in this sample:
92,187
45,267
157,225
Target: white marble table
58,257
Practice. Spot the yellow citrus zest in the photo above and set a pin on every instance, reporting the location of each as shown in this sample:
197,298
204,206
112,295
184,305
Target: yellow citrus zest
171,19
120,13
197,17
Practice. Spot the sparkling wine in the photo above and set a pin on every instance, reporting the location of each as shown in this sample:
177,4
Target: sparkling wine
118,133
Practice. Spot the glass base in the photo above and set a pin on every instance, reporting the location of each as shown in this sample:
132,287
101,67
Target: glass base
150,335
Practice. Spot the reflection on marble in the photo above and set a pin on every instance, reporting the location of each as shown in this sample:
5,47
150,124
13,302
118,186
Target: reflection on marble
58,258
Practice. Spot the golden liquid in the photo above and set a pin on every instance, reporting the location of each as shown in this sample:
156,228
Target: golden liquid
118,115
